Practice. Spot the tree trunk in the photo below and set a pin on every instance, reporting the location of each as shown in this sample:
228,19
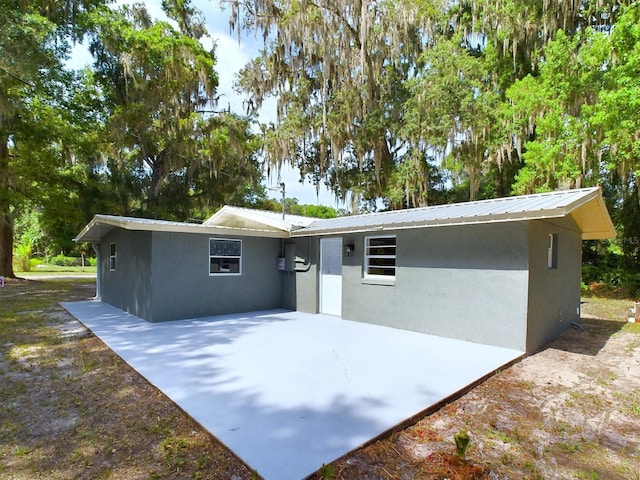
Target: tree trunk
6,220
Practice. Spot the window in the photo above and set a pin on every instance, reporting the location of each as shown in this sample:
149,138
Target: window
225,256
112,257
552,253
380,256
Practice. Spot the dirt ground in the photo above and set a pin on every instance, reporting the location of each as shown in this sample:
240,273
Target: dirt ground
571,411
70,408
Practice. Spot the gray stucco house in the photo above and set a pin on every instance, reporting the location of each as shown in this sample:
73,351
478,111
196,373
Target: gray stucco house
502,272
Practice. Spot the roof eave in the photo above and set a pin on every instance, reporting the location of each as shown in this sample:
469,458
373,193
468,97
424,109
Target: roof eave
598,215
481,219
220,215
92,233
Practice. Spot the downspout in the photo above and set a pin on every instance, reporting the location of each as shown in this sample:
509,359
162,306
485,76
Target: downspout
306,263
96,248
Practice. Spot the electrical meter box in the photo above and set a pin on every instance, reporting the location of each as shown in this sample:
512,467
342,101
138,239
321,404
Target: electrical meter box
287,263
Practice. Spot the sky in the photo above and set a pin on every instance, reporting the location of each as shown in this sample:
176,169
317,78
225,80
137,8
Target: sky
231,56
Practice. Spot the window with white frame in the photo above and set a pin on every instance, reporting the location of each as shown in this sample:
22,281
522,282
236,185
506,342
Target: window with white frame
552,252
380,256
225,256
112,257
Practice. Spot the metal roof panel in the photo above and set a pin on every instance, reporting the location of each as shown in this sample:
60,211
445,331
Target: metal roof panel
525,207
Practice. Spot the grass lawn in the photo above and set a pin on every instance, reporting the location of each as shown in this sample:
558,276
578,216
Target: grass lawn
57,270
72,409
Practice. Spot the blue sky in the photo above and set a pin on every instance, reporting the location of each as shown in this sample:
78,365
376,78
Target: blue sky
231,57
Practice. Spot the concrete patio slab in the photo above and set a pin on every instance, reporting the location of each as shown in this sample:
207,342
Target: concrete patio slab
288,391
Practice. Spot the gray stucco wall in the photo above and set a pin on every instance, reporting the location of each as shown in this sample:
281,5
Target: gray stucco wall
554,295
307,291
466,282
129,286
300,291
183,288
483,283
289,280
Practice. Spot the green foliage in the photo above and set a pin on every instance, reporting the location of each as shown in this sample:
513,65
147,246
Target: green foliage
160,83
28,230
414,103
462,441
64,261
317,211
326,472
22,257
292,207
35,117
173,449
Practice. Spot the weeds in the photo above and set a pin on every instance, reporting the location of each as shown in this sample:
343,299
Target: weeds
173,449
585,475
462,441
504,437
327,472
87,365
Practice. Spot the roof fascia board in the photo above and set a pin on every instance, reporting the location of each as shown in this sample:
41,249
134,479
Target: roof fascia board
595,196
605,212
214,229
97,221
596,235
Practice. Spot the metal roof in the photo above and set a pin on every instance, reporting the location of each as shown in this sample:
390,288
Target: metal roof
585,205
100,225
239,217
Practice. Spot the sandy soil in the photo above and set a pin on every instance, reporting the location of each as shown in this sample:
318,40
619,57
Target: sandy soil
571,411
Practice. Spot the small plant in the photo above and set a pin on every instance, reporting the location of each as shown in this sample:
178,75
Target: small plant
89,364
326,472
582,474
462,443
21,451
174,449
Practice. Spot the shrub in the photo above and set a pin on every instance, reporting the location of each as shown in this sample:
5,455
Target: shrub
64,261
608,281
35,262
21,257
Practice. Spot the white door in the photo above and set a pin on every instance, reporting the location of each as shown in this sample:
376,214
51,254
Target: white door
331,276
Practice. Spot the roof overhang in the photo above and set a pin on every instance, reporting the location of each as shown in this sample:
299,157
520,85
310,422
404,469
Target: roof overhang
592,217
585,206
588,210
238,217
100,225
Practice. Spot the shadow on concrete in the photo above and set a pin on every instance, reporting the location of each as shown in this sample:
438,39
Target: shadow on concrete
288,391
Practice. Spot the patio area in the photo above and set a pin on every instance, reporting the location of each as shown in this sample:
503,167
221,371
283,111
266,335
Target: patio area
288,391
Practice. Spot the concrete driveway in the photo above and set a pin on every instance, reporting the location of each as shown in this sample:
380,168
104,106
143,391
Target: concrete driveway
288,391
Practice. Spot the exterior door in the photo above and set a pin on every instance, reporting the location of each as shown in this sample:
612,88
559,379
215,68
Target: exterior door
331,276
